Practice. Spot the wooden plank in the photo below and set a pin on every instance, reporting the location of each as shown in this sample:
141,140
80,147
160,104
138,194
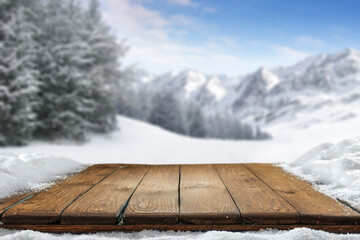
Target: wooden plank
46,206
78,229
104,203
257,202
8,202
204,198
156,200
313,206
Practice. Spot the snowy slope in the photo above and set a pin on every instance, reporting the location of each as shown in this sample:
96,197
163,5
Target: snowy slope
139,142
325,86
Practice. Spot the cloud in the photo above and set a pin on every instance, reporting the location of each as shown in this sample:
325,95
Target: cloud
290,52
209,10
179,19
162,42
310,41
339,28
184,3
131,16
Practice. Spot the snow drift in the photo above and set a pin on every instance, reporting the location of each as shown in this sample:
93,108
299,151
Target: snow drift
28,171
333,168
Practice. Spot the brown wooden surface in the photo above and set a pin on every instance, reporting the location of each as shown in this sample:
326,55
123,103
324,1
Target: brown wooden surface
156,200
46,206
185,198
313,206
12,200
257,202
204,198
104,203
77,229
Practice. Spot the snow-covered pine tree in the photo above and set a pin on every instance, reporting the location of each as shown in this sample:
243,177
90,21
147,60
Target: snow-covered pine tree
18,84
166,112
64,92
195,121
103,68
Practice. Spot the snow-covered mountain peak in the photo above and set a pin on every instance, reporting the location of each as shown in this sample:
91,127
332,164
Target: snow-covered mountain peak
349,52
192,80
215,86
267,78
326,83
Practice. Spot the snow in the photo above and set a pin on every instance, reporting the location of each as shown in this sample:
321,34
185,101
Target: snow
269,78
28,171
334,168
139,142
194,80
300,233
215,87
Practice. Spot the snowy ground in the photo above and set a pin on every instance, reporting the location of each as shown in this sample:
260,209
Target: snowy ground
296,234
138,142
335,168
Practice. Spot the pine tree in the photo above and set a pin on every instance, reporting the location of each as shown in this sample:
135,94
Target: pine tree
195,122
18,84
58,79
63,83
166,112
103,68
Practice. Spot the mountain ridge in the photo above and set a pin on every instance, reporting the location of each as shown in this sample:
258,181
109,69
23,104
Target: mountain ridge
269,96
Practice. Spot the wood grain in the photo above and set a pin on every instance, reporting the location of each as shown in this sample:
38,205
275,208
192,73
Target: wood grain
11,201
156,199
257,202
46,206
78,229
313,206
104,203
6,203
204,198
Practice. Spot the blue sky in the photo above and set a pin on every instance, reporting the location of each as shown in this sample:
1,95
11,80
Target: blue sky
230,37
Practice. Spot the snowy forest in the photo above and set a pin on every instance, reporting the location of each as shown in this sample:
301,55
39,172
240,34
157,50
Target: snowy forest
185,117
61,78
59,71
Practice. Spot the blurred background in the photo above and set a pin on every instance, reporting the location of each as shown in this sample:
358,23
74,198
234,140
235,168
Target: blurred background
233,76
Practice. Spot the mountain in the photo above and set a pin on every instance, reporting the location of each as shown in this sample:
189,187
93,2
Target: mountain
320,88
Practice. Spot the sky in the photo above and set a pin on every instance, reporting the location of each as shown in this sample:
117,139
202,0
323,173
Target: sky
231,37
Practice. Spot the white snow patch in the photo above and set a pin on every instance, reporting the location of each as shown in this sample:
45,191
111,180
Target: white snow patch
269,78
28,171
333,168
195,80
215,87
300,233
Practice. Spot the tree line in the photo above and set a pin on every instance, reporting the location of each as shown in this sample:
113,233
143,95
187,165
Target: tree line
162,108
59,71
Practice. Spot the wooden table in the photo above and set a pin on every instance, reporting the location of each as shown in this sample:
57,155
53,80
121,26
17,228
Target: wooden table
231,197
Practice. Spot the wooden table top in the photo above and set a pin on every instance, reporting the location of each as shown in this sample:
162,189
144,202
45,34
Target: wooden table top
125,197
